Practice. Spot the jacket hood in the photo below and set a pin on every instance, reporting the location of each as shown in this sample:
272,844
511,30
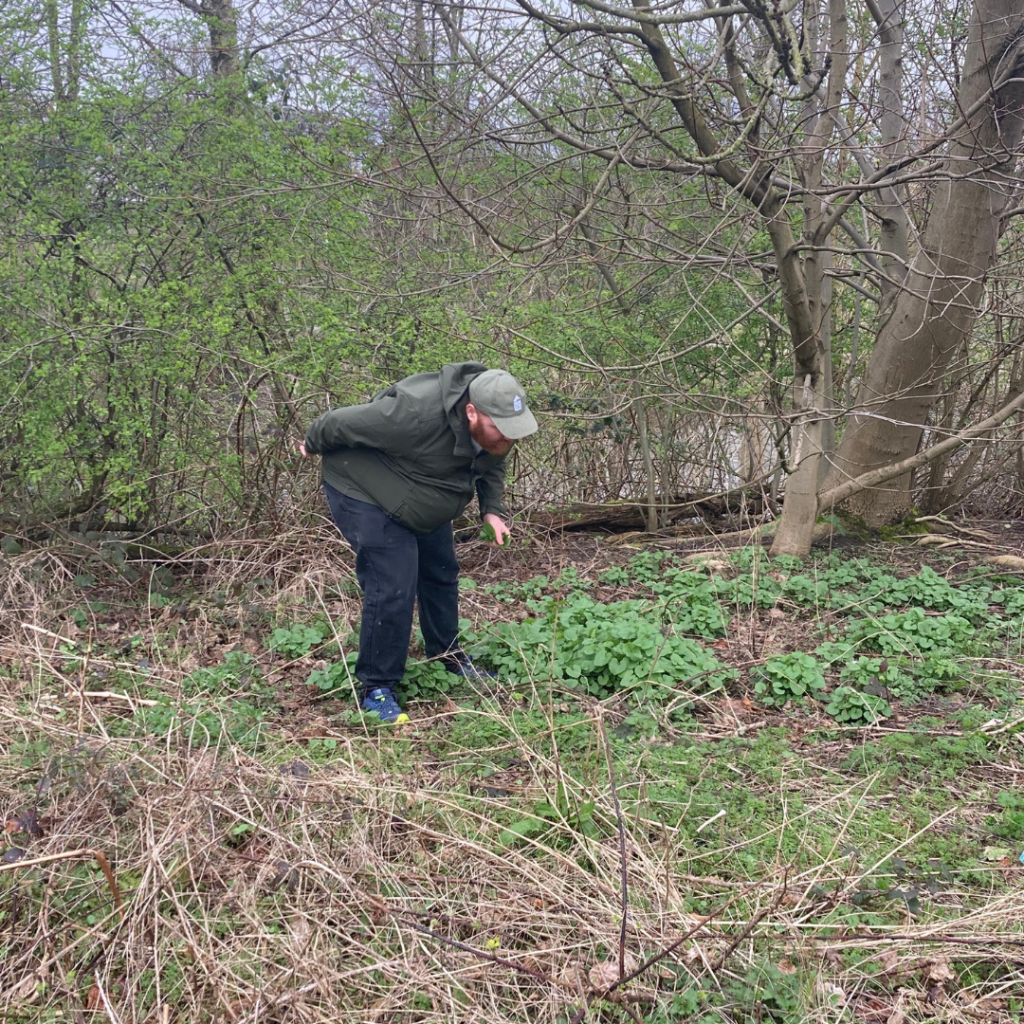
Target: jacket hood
455,378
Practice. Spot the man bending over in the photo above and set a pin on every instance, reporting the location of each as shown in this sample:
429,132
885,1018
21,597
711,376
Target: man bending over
396,472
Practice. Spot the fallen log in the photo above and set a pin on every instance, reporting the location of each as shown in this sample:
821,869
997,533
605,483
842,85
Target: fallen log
627,515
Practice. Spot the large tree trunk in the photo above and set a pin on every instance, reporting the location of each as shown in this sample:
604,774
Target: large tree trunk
942,294
813,400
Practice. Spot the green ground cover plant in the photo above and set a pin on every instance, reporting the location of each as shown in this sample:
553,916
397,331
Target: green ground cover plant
601,649
785,677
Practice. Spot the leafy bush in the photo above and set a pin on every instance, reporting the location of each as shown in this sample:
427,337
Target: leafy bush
599,649
867,673
690,601
616,576
512,592
927,589
649,566
201,722
427,680
237,674
1009,825
805,590
911,632
546,816
423,680
787,676
847,704
297,640
337,675
749,591
229,700
1011,599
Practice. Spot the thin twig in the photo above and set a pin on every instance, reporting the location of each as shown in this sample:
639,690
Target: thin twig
623,868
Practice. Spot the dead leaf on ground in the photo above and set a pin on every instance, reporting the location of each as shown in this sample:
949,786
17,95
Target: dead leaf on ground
730,708
832,994
298,769
571,976
889,961
604,974
872,1010
996,853
939,972
987,1005
1007,868
709,562
26,990
25,820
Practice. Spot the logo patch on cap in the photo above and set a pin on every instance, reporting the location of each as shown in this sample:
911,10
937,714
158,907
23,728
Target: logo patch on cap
517,404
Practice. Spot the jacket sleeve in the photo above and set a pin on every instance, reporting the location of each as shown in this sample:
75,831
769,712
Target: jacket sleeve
382,424
490,486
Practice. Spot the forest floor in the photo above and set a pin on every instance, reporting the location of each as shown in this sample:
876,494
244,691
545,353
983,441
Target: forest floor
713,787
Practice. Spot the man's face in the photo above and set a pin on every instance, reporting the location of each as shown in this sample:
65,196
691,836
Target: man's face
485,433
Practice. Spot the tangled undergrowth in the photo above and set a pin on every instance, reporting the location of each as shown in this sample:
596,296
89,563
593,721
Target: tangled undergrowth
717,789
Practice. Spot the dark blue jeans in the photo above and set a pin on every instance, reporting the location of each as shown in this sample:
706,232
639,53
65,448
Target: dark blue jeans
395,567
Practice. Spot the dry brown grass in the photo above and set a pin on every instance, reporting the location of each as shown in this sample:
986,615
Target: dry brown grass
364,880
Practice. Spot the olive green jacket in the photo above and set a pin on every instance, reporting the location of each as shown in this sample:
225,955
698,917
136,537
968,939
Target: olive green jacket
409,451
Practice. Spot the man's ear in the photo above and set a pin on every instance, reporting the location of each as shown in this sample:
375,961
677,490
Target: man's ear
471,413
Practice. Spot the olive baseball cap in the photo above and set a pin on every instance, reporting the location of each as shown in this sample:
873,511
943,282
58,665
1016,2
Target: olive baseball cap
496,393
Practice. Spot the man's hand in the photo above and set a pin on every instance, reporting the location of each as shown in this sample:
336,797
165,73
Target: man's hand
302,449
501,531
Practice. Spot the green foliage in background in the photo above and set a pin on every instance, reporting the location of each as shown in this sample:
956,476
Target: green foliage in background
872,637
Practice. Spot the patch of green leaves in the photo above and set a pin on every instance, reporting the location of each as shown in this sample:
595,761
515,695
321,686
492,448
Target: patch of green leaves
297,640
853,707
226,701
911,632
554,821
1010,824
488,535
600,649
336,675
785,677
427,680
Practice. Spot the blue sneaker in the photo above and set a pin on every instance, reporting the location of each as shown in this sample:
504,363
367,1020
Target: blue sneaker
467,669
380,701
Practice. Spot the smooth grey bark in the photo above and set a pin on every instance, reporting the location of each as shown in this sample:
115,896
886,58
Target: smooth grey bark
888,15
943,292
839,494
813,398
